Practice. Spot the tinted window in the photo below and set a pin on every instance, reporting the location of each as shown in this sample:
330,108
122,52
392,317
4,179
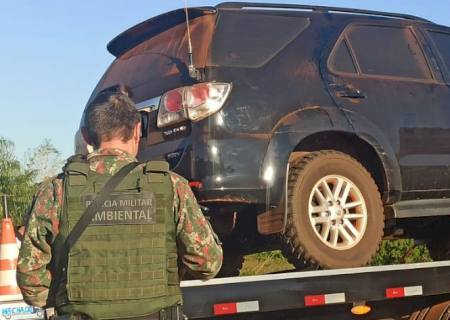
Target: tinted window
160,63
342,60
251,40
442,41
388,51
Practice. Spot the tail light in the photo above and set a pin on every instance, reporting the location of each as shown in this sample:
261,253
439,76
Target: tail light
193,103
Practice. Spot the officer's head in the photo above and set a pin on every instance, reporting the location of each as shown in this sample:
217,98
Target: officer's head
112,121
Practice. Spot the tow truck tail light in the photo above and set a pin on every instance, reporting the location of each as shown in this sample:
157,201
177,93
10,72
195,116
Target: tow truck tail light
195,103
360,309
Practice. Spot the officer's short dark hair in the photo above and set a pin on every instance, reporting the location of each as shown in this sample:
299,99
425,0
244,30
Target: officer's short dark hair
110,115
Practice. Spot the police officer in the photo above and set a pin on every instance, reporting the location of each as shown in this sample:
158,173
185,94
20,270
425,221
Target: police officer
125,263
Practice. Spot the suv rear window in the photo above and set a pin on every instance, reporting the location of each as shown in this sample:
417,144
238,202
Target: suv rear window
251,40
160,62
382,51
442,41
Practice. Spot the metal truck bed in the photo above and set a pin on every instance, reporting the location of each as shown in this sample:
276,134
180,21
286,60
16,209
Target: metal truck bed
302,290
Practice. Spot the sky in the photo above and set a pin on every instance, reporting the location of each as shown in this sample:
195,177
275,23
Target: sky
53,52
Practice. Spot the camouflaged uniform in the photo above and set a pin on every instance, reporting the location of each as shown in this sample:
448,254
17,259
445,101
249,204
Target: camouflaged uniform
198,249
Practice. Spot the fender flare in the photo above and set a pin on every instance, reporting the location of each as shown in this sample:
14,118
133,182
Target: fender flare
287,134
298,125
370,133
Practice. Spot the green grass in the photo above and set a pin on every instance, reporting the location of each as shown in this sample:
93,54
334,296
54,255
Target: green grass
265,262
391,252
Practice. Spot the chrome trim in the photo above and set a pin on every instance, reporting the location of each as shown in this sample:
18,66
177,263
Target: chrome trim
149,105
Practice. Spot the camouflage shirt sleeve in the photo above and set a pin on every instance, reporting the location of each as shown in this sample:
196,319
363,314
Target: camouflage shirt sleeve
198,246
33,275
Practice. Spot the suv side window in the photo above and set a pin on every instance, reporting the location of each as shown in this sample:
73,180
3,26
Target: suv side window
384,51
442,41
342,60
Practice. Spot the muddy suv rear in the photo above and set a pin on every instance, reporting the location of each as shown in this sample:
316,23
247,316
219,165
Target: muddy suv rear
271,138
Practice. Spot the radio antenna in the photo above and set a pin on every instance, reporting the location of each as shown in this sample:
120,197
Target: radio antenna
192,69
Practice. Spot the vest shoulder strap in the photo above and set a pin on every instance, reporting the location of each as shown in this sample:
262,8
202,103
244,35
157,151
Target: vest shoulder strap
77,165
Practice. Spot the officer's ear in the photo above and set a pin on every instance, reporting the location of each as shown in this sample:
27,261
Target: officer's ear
137,131
84,133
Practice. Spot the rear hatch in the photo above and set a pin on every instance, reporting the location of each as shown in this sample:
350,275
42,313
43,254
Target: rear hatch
152,61
152,57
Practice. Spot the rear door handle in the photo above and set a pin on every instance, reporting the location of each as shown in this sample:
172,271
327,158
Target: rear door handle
350,93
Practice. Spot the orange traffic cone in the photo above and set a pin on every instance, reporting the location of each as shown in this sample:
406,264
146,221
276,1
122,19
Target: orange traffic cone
9,251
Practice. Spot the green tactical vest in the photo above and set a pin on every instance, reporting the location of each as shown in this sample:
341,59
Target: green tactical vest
125,263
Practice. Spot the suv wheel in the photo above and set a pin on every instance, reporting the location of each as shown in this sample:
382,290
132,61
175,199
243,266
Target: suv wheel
335,215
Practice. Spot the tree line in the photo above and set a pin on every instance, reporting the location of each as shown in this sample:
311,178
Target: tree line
19,178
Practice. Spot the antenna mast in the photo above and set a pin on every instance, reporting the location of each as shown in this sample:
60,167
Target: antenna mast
192,70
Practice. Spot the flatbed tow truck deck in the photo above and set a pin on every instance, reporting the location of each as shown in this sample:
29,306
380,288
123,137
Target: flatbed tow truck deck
418,291
391,292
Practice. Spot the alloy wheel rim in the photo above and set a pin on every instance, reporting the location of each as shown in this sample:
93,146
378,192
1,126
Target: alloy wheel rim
337,211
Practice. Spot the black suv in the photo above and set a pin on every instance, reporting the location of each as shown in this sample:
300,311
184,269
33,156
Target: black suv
327,126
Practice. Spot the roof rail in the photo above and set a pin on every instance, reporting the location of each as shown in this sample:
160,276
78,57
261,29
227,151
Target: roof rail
256,5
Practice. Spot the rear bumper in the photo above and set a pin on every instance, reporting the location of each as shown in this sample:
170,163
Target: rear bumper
229,170
227,167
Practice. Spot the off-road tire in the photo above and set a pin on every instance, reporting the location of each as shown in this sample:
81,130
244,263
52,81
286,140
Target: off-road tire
439,311
291,256
301,244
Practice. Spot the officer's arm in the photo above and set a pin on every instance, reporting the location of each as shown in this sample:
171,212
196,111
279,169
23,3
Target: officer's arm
33,275
199,248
